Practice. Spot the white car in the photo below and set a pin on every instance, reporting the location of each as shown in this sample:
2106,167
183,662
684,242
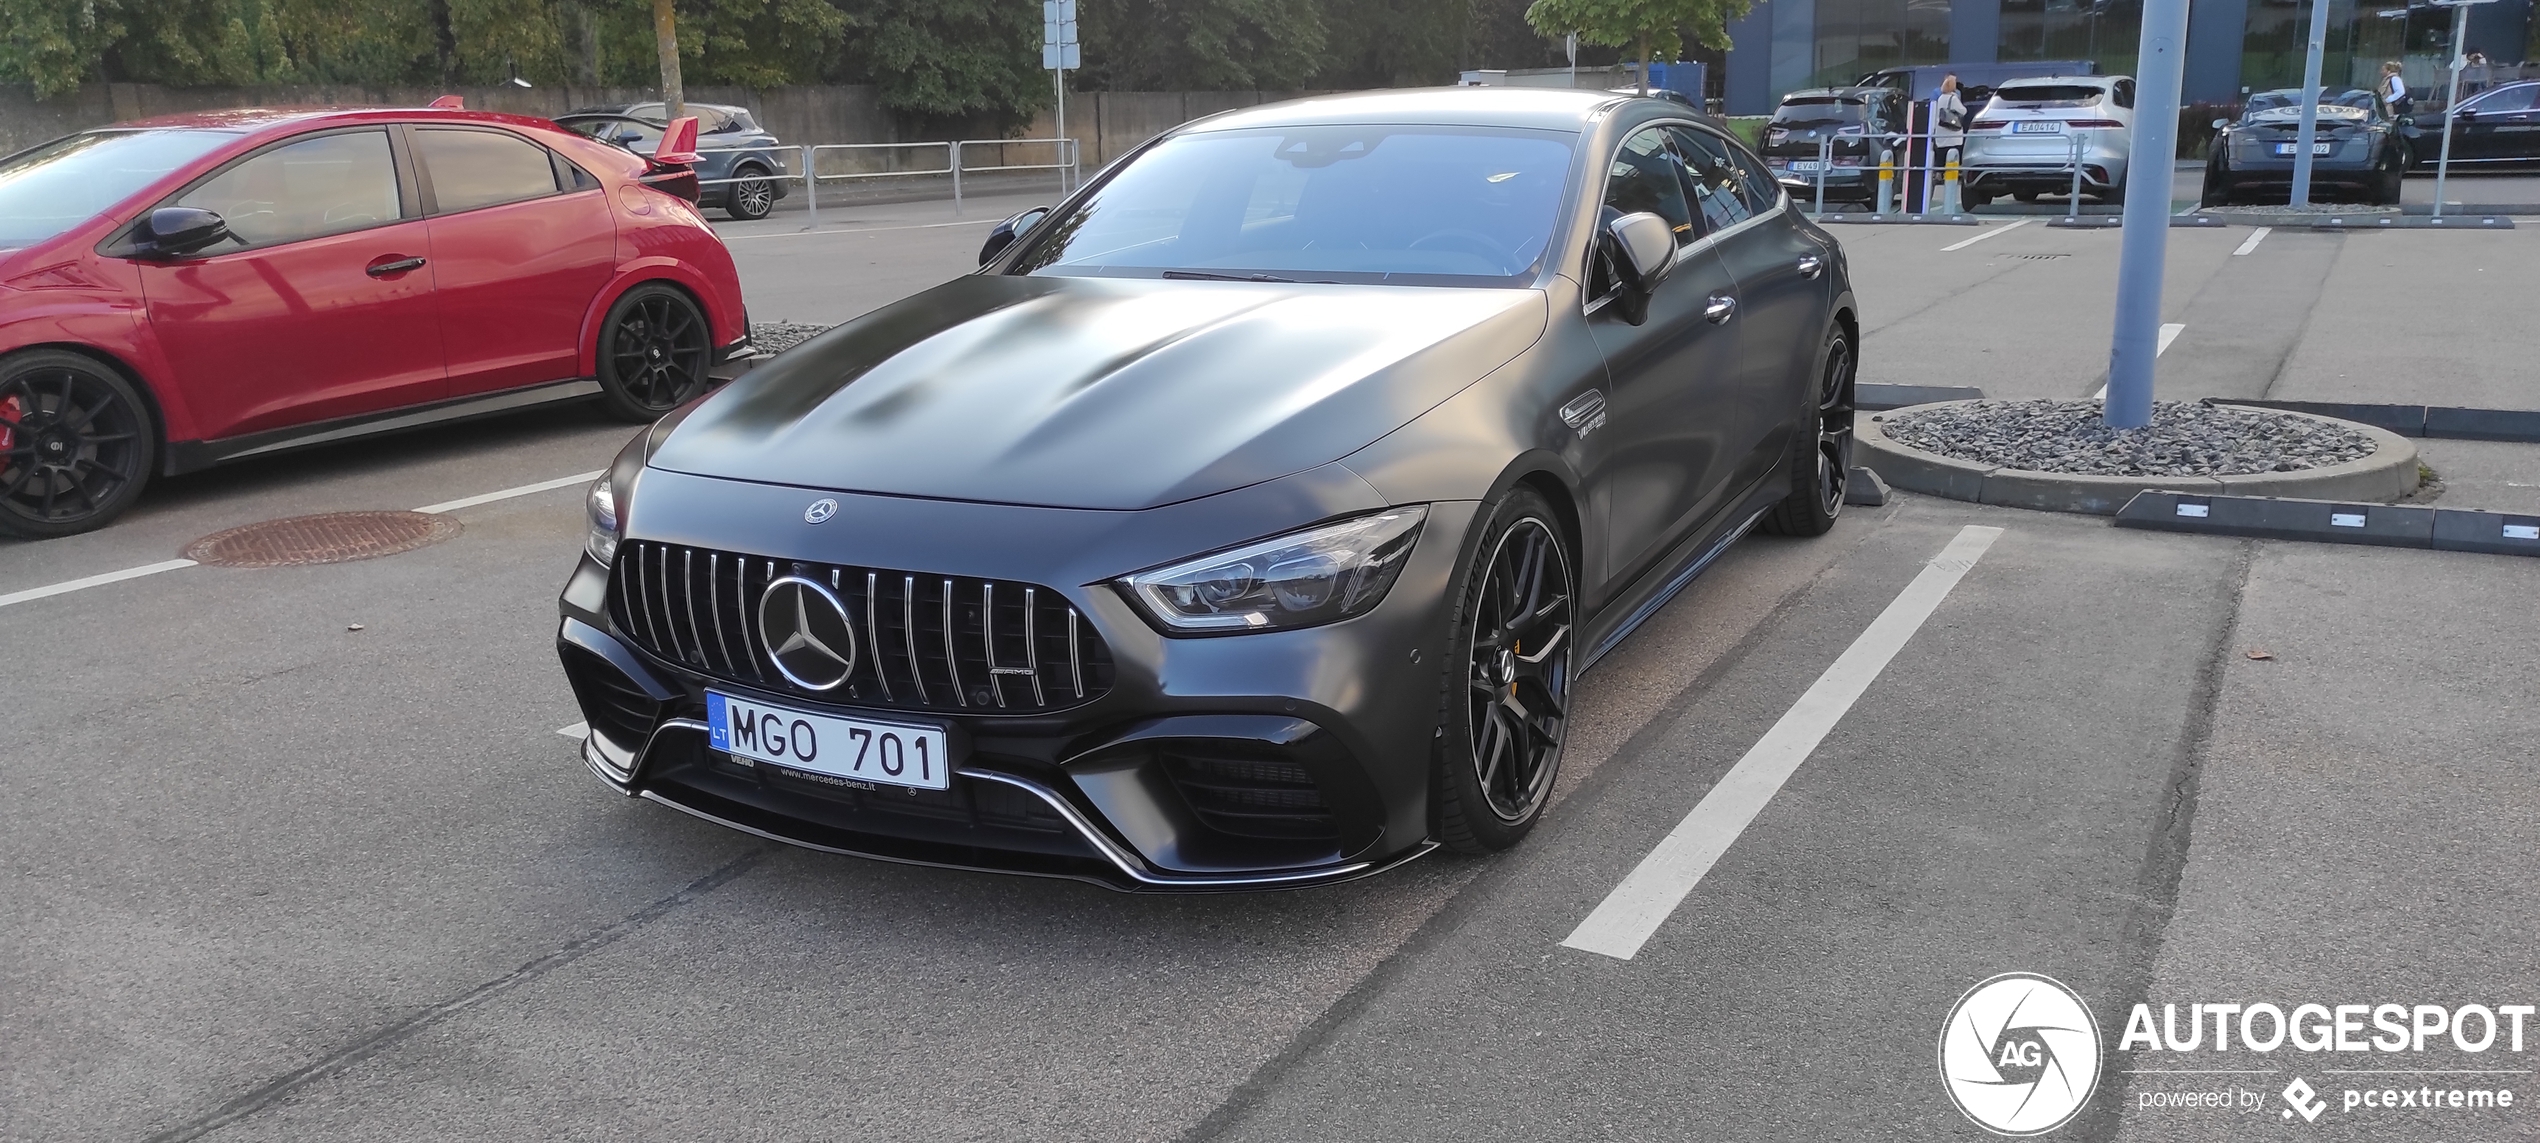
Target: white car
2028,137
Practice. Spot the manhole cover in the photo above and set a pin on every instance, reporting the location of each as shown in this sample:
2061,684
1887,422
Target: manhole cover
333,538
2038,257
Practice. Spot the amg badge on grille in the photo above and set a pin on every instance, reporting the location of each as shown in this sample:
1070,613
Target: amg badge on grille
807,633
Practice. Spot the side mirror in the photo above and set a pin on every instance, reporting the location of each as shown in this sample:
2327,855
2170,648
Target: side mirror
1009,230
2219,124
1646,249
176,231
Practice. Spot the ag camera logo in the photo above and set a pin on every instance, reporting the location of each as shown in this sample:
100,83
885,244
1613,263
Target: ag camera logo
2020,1054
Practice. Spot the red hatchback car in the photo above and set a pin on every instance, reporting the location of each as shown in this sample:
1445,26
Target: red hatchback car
183,291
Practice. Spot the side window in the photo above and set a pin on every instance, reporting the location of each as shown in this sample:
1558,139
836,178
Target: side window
2509,99
1718,184
1648,175
571,176
2125,93
471,169
327,185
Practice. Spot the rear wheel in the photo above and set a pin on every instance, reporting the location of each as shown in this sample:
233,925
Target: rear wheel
654,352
2217,190
1820,476
751,198
1508,686
2390,182
2025,196
76,444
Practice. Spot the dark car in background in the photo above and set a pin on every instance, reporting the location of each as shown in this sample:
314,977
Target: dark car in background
2497,127
737,160
1976,81
2358,150
1841,129
1244,521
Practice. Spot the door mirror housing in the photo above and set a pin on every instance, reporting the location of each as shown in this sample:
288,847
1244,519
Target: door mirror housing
1644,248
1009,230
2219,124
176,231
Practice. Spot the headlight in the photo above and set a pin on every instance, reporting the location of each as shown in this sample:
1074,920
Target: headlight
602,503
1315,576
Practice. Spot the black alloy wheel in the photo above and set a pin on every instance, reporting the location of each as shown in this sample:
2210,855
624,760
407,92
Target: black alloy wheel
2217,189
1821,477
750,199
654,353
76,444
1508,685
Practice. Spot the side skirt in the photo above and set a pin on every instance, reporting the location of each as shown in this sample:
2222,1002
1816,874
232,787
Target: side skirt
1661,583
188,456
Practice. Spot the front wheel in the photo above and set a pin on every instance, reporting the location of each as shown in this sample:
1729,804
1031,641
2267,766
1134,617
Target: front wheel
654,352
1508,682
751,198
76,444
1821,475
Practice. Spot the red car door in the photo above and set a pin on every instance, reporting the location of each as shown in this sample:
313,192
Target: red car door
522,241
321,306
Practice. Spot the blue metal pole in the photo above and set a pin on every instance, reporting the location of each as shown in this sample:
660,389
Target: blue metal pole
2136,348
2310,130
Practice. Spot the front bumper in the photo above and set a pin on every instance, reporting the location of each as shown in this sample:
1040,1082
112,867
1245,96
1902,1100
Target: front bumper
1104,791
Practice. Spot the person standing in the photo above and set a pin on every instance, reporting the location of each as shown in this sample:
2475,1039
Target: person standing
2394,90
1948,131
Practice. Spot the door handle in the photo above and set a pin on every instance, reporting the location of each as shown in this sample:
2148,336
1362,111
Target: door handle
1719,309
1811,265
397,266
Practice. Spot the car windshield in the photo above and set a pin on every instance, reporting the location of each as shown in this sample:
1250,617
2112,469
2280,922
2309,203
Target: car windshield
1365,203
2344,105
49,189
1819,111
2048,95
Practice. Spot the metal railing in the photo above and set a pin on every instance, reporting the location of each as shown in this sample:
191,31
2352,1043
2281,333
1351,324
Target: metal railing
1066,153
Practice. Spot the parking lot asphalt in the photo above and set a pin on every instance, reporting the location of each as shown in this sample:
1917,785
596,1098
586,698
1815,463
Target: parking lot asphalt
273,878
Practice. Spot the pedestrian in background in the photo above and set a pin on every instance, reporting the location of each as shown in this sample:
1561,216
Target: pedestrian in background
2394,90
1948,134
2474,73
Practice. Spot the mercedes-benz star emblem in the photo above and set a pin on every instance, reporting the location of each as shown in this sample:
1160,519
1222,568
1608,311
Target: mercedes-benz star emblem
820,510
807,633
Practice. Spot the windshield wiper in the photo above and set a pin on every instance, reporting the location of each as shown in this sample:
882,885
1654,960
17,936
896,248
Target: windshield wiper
1205,276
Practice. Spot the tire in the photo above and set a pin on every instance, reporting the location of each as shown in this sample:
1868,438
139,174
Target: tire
752,198
79,444
1973,199
655,348
2024,196
2390,184
1503,713
2217,191
1821,474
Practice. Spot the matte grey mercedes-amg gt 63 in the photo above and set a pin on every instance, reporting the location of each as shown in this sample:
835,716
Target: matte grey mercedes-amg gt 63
1246,520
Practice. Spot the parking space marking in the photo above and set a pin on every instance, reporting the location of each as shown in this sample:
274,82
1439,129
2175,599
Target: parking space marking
1649,895
2255,237
508,493
1990,232
578,730
99,580
2169,333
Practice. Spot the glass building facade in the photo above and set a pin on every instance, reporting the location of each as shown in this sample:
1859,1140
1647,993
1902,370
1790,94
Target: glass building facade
2232,45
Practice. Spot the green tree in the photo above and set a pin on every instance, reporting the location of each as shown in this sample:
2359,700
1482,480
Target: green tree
1199,45
1650,27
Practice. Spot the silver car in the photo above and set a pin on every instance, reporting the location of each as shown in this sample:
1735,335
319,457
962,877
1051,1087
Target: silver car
2030,135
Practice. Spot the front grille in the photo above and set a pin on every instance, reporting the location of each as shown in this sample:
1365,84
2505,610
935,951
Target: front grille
1254,798
924,642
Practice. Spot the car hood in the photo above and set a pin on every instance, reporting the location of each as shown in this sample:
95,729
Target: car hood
1100,392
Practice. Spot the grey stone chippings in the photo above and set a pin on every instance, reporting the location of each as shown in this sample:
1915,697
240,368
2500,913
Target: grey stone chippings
779,336
2322,208
2182,440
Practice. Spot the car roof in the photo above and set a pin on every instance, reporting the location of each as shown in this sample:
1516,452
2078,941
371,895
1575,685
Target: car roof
627,108
2061,81
279,120
1540,108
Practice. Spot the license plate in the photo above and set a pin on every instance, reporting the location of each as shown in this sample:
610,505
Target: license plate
1804,164
2316,148
856,749
2038,127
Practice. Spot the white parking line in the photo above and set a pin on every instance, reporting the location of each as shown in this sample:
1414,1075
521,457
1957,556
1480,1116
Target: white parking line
2169,333
579,730
1645,899
103,578
1987,234
2255,237
100,580
508,493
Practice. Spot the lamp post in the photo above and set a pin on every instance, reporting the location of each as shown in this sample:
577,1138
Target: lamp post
2135,349
2310,129
2452,99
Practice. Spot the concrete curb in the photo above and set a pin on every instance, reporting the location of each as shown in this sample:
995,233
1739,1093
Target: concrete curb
2388,472
2330,521
2415,222
2117,222
1901,219
2443,421
1875,397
